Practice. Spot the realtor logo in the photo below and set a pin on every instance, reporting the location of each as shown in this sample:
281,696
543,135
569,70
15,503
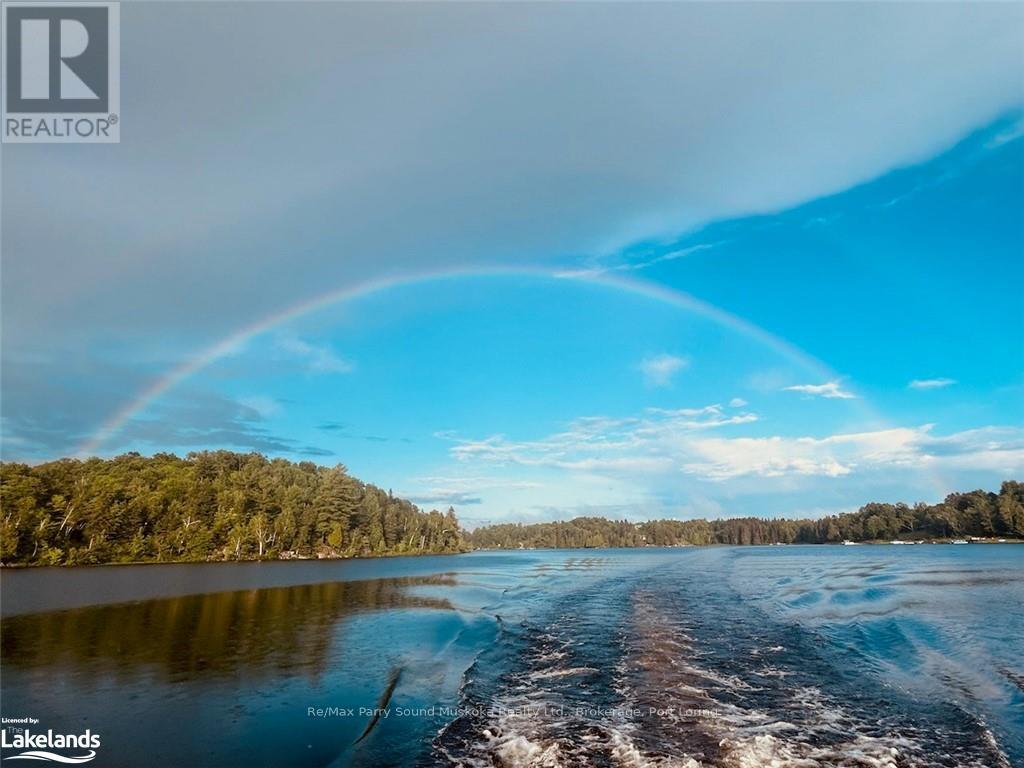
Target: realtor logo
61,72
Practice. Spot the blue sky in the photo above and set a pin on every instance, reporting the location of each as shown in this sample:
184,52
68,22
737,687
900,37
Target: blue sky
882,249
907,287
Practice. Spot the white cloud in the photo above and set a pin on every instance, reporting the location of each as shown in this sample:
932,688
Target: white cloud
766,140
930,383
675,443
645,444
661,369
636,262
993,449
664,462
599,442
319,359
834,456
830,389
1013,131
737,402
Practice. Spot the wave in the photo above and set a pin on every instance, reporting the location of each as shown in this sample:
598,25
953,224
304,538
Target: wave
658,671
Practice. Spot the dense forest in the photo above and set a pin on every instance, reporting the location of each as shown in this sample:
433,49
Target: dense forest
219,505
214,505
977,513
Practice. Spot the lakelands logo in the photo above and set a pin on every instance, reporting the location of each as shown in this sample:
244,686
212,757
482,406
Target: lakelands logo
38,745
61,72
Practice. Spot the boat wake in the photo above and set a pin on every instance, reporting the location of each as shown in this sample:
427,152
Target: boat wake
636,674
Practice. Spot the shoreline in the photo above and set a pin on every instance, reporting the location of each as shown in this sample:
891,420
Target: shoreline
58,588
346,558
873,543
398,555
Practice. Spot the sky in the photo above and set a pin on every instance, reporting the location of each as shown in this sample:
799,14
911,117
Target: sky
537,261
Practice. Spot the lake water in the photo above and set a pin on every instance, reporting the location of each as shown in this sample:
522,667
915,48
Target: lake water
757,656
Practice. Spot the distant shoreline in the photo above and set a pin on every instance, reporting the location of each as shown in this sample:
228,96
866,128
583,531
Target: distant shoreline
961,517
395,555
875,543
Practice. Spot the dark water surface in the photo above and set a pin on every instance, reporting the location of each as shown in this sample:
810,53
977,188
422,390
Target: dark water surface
757,656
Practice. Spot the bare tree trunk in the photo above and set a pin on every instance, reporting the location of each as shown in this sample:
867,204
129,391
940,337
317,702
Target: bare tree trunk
67,517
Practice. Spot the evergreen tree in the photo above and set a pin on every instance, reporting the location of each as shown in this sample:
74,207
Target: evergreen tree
213,505
976,513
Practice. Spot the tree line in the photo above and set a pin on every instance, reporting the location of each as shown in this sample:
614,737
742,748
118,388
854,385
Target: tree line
221,505
210,505
977,513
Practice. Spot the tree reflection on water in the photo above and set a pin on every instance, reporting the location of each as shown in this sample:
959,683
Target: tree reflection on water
255,632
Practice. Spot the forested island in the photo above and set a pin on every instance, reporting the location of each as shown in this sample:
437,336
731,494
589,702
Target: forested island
220,505
211,505
977,513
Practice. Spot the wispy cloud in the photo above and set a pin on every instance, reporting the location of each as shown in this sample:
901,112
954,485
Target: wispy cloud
340,430
931,383
594,444
634,258
448,498
648,256
737,402
833,456
199,419
660,370
830,389
670,444
332,426
319,358
343,431
263,405
462,490
671,255
1009,133
993,449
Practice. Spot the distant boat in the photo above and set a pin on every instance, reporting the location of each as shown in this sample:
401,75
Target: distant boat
849,543
960,541
897,541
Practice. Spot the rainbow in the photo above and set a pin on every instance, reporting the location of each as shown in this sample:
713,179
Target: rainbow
616,281
234,341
